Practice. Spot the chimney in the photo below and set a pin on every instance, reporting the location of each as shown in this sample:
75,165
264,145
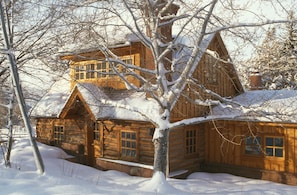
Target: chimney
256,81
164,31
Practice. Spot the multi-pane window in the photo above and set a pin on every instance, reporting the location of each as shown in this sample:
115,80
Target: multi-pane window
58,134
90,71
128,144
274,146
191,141
253,145
100,69
96,131
126,61
80,72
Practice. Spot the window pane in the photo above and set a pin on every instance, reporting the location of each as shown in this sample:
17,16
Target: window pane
249,140
133,153
278,142
133,144
269,152
128,152
278,152
269,141
134,136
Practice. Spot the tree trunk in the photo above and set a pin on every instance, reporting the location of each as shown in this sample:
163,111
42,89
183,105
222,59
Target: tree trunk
19,93
10,128
161,153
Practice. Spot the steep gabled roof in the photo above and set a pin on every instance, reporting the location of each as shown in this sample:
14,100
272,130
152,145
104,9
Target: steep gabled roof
261,105
102,103
105,102
53,101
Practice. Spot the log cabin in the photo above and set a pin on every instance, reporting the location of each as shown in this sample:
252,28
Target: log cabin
80,114
263,134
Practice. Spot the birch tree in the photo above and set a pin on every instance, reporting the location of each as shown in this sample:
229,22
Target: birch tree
144,19
28,43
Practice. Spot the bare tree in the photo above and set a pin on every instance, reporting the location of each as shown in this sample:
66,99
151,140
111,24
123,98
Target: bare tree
29,43
145,20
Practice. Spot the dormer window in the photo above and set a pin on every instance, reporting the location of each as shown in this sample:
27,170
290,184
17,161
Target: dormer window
90,71
80,72
99,68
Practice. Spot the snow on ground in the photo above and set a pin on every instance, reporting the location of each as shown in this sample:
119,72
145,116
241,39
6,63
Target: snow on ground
62,177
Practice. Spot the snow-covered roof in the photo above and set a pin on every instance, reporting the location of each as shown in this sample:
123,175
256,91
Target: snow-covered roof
118,104
261,105
103,102
53,101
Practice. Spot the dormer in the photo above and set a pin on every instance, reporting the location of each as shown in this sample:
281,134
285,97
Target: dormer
93,67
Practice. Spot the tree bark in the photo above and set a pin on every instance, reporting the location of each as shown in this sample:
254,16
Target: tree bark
10,128
19,94
161,153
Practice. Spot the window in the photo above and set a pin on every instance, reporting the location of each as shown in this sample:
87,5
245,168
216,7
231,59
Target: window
211,69
191,141
90,71
96,131
128,144
99,69
274,146
58,134
79,72
253,145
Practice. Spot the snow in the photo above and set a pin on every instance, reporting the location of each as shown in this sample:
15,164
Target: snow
262,105
53,101
63,177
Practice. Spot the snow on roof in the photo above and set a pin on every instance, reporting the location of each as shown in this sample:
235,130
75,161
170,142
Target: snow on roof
184,49
103,102
262,105
118,104
53,101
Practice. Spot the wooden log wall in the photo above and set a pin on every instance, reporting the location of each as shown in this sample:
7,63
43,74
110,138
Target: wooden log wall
74,134
220,151
178,160
112,144
214,75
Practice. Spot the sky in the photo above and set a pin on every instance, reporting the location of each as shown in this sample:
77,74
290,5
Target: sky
62,177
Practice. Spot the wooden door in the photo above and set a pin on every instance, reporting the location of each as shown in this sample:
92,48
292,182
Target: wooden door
90,149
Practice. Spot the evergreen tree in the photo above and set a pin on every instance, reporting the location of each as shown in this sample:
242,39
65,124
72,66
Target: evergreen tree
277,58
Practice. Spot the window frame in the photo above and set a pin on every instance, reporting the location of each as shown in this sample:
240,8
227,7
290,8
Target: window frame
101,68
254,145
211,70
190,142
274,147
58,134
90,70
128,140
96,131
